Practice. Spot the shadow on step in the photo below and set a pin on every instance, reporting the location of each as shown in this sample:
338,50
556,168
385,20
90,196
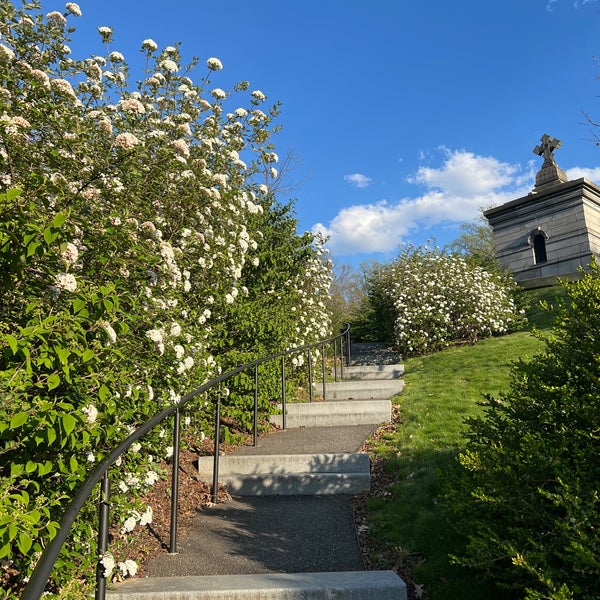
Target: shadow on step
290,534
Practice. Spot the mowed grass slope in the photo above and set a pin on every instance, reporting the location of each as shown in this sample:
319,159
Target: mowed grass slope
441,391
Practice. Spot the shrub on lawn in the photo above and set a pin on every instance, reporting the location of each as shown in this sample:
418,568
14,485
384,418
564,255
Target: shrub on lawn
527,494
426,299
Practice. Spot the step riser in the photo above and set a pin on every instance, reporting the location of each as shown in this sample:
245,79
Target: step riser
349,585
232,464
338,413
385,372
294,474
363,390
297,484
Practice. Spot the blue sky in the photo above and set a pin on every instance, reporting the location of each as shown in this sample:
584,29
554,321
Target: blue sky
405,117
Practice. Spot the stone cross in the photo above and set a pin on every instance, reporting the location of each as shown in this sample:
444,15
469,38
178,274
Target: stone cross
550,173
547,147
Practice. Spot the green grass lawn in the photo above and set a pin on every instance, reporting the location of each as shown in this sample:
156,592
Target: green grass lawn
441,390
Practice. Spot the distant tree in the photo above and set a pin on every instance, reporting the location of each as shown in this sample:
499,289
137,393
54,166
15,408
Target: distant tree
346,294
476,244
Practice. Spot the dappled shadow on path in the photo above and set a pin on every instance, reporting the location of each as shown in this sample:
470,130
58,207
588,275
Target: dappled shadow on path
268,534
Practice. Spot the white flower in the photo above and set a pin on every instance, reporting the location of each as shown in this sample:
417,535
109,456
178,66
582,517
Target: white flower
219,94
129,524
169,65
129,568
135,447
70,253
56,18
214,64
6,51
181,147
73,9
258,95
91,413
90,457
132,105
108,562
151,478
126,141
110,332
106,33
146,517
169,451
63,86
116,57
150,44
65,281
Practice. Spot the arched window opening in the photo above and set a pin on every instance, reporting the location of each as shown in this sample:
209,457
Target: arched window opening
539,247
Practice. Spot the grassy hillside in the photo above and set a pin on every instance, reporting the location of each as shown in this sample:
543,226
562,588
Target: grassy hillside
441,390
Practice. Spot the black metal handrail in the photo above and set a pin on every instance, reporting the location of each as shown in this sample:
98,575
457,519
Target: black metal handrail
39,577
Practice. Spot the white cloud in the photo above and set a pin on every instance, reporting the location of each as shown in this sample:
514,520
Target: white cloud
578,172
455,192
359,180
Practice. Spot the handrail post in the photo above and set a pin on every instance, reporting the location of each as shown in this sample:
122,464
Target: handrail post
323,368
175,482
283,408
255,405
348,345
217,443
335,355
342,358
310,376
103,525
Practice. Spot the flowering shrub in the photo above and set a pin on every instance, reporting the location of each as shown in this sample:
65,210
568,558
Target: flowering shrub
426,299
526,495
132,222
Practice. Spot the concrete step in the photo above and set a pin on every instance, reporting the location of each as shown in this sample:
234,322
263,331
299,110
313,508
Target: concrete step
347,585
291,474
335,413
370,372
363,390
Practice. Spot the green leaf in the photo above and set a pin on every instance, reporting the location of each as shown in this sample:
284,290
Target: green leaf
69,422
44,468
18,420
53,381
13,193
63,355
30,467
103,393
49,235
31,248
78,305
51,435
24,542
12,342
87,355
59,219
73,464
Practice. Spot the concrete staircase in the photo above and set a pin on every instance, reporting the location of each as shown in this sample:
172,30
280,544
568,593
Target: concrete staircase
317,456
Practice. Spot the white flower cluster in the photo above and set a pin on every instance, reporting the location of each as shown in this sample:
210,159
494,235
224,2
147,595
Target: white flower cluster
135,518
438,298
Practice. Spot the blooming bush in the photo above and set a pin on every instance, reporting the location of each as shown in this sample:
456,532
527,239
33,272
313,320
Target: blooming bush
427,299
526,496
132,221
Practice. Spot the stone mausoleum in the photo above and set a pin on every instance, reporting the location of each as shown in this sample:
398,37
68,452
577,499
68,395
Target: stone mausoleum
553,230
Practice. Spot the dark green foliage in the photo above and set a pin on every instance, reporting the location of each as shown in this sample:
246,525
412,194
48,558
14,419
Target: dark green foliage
527,495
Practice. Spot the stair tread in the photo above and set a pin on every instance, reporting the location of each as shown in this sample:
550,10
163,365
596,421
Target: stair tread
373,583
